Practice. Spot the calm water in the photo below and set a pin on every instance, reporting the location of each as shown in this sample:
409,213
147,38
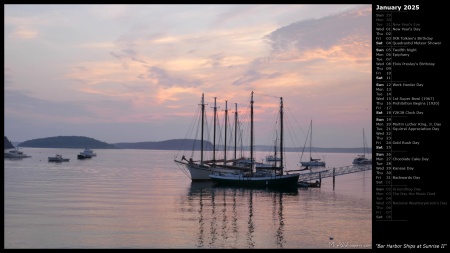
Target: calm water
141,199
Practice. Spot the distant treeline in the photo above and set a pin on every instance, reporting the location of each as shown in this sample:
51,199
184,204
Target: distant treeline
190,144
66,142
175,144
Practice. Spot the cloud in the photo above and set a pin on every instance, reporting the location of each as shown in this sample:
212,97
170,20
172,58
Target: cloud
21,103
234,14
304,46
322,33
37,19
251,76
215,60
165,80
8,76
128,44
93,108
119,12
150,64
23,32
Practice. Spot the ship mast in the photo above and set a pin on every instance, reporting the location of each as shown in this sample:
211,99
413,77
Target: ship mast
203,115
364,143
281,134
310,143
225,144
251,131
214,137
235,130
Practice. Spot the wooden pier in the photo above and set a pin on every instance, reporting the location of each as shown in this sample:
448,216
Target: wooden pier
318,175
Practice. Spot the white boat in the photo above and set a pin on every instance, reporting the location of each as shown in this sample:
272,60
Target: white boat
15,153
312,161
261,175
362,159
200,168
88,152
264,165
58,158
273,158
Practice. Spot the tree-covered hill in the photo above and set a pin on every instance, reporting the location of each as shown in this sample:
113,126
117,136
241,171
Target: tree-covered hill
175,144
66,142
8,144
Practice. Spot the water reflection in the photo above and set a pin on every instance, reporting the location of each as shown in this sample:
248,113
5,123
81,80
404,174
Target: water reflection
279,233
226,215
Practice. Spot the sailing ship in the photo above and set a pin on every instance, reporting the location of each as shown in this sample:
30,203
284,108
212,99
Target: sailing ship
264,176
312,161
362,159
201,168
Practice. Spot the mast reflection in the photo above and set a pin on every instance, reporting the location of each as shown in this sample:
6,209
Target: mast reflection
227,209
279,233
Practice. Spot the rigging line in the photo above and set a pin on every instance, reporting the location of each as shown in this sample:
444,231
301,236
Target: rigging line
301,129
289,109
266,95
183,169
304,145
269,141
270,138
229,133
290,130
220,130
199,115
207,137
296,143
189,132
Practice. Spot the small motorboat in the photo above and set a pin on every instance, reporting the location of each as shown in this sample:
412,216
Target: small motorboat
58,158
15,153
86,153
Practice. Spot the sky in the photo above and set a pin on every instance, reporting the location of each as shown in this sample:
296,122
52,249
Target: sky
136,73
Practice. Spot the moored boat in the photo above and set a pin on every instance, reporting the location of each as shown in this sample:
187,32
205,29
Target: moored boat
312,161
82,156
86,153
271,158
58,158
362,159
15,153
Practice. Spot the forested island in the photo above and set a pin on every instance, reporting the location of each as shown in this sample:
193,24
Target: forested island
175,144
8,144
66,142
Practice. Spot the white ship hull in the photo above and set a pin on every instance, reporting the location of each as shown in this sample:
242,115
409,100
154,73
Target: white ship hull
201,172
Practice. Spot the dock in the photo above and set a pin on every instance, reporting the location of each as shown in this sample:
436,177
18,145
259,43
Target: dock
318,175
